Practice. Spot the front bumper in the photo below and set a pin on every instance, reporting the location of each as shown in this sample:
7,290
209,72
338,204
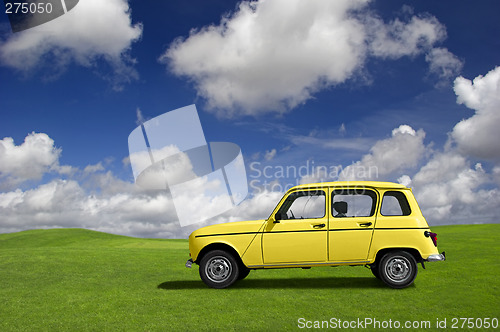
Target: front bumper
189,263
436,257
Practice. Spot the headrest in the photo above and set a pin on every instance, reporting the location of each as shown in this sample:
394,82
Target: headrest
340,207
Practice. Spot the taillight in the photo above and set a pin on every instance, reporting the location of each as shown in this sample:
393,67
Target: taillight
433,236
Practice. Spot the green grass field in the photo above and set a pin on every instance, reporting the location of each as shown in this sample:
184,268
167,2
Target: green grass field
75,279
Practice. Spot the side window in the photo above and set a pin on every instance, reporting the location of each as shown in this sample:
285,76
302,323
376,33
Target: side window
303,205
353,203
395,203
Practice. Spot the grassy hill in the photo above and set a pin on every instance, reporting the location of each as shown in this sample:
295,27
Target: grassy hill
75,279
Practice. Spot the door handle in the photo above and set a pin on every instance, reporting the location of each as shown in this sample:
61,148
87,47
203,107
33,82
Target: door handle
365,224
319,226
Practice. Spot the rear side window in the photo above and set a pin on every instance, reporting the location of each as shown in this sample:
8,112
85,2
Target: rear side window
395,203
353,203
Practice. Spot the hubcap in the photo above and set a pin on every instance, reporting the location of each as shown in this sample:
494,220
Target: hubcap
398,269
218,269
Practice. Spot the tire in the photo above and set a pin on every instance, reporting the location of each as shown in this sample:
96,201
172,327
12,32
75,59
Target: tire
244,271
398,269
219,269
374,269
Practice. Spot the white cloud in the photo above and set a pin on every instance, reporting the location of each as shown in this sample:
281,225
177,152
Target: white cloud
140,117
105,183
93,168
93,30
496,174
28,161
317,174
178,168
258,206
442,167
95,198
64,203
270,56
342,129
352,144
270,154
448,187
404,129
444,64
449,190
201,198
116,206
401,151
479,135
397,38
405,180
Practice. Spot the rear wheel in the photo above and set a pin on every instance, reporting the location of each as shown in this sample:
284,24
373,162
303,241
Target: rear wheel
374,269
398,269
219,269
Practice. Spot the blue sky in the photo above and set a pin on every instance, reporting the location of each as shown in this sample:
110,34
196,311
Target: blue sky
333,83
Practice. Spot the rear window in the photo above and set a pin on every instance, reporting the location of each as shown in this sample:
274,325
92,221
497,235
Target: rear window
395,203
353,203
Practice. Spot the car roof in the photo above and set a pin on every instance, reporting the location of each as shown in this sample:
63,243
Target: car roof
372,184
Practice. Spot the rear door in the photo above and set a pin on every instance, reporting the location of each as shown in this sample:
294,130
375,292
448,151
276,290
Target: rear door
351,224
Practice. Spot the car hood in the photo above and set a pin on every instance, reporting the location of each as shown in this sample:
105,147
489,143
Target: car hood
230,228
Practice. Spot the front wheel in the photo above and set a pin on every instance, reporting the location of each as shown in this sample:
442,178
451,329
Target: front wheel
219,269
398,269
244,271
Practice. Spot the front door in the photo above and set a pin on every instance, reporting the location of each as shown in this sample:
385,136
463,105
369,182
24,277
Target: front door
300,233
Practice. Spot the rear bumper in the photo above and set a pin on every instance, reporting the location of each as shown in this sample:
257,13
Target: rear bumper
436,257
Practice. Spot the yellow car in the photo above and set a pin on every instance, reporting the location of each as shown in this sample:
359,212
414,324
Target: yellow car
366,223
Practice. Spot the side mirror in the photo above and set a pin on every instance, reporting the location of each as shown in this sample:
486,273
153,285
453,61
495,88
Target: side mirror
272,219
279,216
